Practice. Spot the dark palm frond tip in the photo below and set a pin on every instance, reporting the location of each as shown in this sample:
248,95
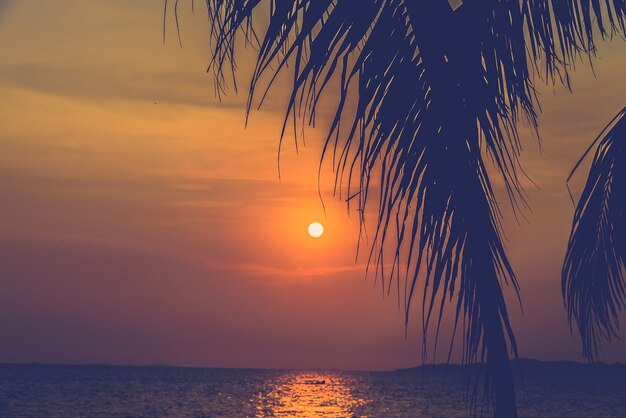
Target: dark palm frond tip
176,3
593,282
422,87
562,31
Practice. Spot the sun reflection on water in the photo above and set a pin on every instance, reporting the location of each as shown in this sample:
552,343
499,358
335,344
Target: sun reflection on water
310,394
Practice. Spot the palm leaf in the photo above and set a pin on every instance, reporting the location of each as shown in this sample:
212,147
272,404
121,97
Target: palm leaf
425,93
562,31
594,288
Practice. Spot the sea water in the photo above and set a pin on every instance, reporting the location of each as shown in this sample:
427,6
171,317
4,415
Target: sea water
112,391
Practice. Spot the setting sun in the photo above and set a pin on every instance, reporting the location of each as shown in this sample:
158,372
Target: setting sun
316,230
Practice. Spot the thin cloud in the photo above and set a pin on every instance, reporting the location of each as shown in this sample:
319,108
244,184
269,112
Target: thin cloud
284,273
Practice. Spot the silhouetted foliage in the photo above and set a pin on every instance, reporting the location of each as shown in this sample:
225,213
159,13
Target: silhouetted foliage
436,89
593,274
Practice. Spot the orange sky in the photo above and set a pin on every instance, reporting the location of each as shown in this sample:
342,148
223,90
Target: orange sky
141,223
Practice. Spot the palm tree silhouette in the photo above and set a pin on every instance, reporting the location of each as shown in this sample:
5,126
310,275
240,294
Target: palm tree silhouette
593,273
427,91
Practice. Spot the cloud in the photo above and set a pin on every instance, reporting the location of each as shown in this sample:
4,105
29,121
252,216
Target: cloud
96,83
284,273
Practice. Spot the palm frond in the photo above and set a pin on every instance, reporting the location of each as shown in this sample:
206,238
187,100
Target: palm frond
594,286
562,31
425,103
425,93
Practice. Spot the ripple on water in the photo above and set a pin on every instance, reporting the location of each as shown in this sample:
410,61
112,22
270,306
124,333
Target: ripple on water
85,391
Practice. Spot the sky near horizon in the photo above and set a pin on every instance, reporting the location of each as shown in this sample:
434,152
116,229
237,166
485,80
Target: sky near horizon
142,223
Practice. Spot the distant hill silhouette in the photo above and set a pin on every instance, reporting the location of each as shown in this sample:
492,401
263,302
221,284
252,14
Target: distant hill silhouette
529,365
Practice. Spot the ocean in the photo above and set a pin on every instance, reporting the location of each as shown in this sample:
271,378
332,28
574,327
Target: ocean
544,390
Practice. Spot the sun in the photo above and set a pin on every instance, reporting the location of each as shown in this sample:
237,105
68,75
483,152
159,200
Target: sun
316,230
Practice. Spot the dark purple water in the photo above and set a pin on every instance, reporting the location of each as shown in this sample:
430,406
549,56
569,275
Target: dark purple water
106,391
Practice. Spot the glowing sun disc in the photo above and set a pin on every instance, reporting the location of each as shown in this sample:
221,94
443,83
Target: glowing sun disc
316,230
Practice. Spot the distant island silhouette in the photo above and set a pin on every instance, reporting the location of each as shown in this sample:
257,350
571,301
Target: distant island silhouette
528,364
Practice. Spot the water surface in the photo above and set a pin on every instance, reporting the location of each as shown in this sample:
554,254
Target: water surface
109,391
